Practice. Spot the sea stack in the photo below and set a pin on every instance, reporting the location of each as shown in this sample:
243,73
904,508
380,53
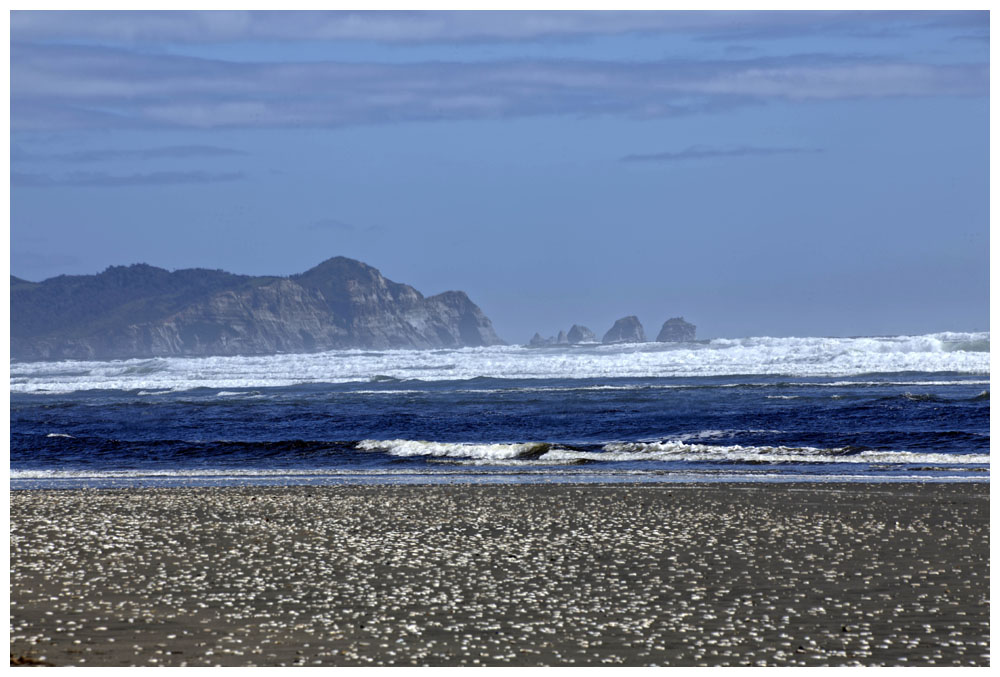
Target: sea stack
675,330
579,334
626,330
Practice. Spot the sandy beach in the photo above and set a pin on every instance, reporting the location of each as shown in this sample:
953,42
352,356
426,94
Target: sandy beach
665,574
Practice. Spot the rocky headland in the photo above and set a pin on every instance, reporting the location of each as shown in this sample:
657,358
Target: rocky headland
144,311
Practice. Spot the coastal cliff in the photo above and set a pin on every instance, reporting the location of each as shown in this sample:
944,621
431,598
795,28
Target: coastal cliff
144,311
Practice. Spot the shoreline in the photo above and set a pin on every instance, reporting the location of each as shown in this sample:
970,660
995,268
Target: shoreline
567,574
226,481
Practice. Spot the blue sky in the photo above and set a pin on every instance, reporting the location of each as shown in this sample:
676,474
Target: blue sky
759,173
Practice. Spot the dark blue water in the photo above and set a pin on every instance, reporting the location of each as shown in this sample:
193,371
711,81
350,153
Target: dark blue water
871,428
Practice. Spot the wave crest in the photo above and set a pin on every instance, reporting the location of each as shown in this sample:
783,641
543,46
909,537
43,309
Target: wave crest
679,451
666,451
523,451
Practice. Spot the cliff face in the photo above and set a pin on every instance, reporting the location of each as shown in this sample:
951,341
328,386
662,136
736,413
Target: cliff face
676,329
142,311
579,334
626,330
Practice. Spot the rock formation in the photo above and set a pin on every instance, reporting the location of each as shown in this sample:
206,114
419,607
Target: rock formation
576,334
676,329
579,334
626,330
143,311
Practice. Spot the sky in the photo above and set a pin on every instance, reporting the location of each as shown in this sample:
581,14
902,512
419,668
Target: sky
758,173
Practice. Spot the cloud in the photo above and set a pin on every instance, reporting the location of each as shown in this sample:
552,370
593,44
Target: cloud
776,25
700,152
97,179
60,87
147,153
85,156
984,37
133,27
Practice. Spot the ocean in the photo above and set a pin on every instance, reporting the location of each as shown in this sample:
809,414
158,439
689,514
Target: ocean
867,409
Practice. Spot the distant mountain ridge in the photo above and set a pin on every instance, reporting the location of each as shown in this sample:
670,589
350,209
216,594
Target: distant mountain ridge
145,311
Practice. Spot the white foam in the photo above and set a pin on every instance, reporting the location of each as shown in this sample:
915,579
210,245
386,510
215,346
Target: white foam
471,476
714,434
764,356
453,449
675,450
215,473
680,451
707,434
849,384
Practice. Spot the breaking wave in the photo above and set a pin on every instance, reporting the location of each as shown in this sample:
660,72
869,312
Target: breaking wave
671,451
950,352
527,450
680,451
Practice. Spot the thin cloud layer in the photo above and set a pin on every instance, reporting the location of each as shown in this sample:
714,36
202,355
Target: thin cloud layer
97,179
463,26
702,152
67,87
163,152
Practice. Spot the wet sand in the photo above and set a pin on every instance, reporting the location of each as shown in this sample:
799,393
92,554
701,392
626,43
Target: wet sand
723,574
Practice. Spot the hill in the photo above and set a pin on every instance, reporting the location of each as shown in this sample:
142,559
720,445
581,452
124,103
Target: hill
144,311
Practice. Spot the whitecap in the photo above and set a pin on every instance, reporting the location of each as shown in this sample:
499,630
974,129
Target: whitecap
802,357
455,449
680,451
